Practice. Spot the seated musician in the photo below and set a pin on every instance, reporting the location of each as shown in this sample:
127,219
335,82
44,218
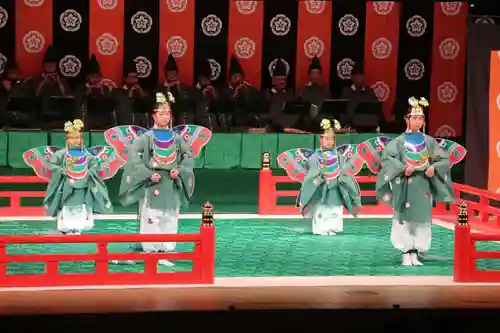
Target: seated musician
277,96
242,95
315,92
97,88
50,83
132,99
357,93
206,96
12,86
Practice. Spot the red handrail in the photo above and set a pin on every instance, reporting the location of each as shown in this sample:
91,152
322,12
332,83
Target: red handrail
203,258
466,254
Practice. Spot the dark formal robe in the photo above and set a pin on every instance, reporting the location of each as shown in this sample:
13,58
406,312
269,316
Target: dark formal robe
133,107
51,88
245,104
17,89
93,120
356,97
315,94
206,107
277,100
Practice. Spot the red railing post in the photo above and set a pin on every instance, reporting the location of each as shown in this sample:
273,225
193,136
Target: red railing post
102,264
207,233
3,261
15,202
484,216
267,188
463,263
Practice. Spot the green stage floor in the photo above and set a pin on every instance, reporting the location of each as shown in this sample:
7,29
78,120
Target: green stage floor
266,247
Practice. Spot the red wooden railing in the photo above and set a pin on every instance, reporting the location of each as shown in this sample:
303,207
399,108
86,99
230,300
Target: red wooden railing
203,259
466,254
15,208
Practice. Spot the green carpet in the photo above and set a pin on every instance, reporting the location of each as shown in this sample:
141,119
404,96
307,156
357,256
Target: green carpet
267,248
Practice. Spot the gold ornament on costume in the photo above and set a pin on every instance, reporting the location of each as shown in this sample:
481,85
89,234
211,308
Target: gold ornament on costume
417,106
328,130
162,99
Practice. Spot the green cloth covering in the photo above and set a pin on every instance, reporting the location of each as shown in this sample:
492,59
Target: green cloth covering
223,151
3,148
58,139
19,142
97,139
252,146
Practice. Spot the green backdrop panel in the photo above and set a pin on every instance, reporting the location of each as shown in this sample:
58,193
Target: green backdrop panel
4,141
291,141
19,142
252,146
58,139
223,151
97,139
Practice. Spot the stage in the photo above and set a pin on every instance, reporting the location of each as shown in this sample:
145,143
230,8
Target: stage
257,293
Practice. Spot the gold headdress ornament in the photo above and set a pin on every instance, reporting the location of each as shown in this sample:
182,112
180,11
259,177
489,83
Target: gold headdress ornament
74,127
162,99
329,131
417,106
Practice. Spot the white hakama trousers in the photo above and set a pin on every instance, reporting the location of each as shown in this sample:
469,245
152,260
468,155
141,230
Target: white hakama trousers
74,219
407,236
155,221
327,220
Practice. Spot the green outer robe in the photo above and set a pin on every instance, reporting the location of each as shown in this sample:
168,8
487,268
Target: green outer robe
64,191
167,194
411,197
341,191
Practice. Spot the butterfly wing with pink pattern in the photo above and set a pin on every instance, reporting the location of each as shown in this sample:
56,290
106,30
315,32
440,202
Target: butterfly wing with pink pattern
295,162
457,152
196,137
121,137
38,159
370,151
354,163
109,160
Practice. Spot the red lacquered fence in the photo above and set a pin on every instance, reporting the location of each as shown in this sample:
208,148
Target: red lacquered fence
203,261
466,253
15,208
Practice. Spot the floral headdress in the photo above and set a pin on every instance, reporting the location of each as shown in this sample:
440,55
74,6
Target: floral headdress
74,127
417,106
329,131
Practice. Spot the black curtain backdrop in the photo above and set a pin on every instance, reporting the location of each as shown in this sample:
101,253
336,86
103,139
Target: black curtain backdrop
481,40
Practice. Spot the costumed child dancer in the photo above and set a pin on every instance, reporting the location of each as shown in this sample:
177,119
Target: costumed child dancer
413,170
159,171
327,177
76,189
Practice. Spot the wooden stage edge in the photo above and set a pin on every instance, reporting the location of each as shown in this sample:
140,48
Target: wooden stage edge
346,292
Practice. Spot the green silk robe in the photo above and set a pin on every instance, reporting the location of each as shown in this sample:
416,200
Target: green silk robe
412,197
316,190
167,194
65,191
